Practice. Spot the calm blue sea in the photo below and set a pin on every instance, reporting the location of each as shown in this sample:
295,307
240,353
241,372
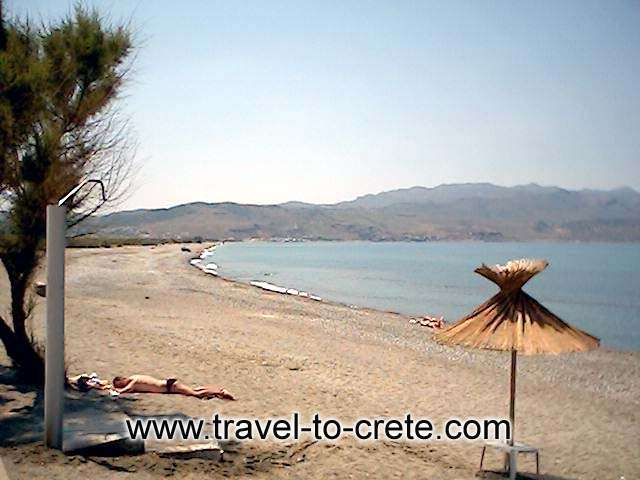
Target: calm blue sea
595,287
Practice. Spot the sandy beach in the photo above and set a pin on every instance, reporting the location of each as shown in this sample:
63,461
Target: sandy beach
146,310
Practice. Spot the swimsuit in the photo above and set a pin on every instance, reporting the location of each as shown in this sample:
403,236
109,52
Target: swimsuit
169,383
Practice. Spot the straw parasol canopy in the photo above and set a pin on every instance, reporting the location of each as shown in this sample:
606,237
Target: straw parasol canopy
513,320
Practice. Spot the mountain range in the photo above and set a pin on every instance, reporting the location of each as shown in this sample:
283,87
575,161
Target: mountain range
471,211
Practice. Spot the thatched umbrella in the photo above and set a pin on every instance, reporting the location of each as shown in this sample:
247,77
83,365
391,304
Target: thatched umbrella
513,320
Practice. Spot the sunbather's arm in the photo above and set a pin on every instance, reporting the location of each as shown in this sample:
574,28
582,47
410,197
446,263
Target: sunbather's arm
103,385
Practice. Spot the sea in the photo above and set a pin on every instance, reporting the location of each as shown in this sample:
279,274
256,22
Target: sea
594,286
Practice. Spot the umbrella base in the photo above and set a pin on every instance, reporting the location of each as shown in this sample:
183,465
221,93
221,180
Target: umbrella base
512,452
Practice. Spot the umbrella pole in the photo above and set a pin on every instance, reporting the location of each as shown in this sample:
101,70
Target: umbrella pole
509,460
512,395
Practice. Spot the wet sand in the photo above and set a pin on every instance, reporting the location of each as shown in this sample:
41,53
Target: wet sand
146,310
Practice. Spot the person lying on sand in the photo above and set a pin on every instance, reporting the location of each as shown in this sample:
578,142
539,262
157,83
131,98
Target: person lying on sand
149,384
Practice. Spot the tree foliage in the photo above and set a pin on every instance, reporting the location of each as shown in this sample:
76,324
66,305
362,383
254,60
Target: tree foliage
59,124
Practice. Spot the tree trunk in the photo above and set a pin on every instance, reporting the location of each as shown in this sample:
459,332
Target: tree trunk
18,311
17,342
8,339
29,362
23,355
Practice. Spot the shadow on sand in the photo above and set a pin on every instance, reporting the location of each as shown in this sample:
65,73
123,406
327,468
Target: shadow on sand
22,427
494,475
22,410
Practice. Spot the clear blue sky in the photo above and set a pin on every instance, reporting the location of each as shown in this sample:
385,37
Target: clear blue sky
269,101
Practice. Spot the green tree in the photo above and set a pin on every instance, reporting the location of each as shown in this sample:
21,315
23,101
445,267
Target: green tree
59,124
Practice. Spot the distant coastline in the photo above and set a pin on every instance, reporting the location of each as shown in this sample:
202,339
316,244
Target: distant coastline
464,212
98,241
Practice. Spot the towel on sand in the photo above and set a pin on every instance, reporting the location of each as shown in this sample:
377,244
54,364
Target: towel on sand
88,381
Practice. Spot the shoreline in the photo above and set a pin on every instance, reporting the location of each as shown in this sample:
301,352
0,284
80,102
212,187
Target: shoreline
266,287
211,268
201,254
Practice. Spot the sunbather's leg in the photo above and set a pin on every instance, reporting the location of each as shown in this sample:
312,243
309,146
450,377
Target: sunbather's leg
199,392
209,392
182,389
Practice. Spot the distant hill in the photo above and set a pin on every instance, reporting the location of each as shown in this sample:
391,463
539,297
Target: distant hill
473,211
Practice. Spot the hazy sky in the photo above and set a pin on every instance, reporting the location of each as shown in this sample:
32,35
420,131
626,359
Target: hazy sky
269,101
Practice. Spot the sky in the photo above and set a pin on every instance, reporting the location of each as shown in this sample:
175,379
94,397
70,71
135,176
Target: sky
270,101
